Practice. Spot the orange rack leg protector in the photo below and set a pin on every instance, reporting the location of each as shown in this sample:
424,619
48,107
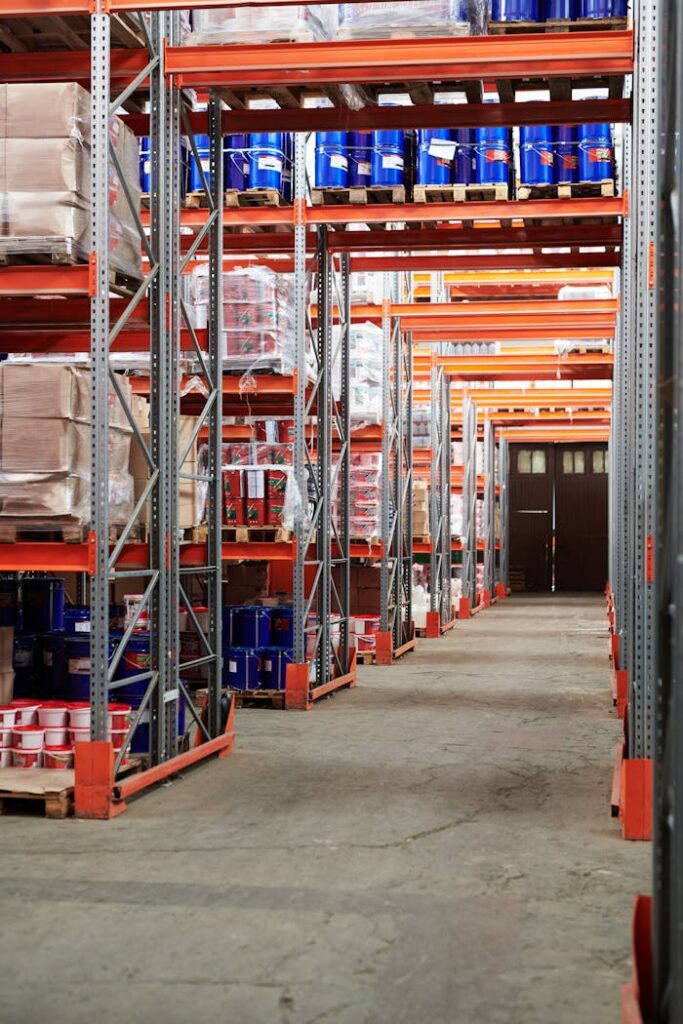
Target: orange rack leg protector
384,653
433,625
501,592
621,687
636,996
614,649
297,696
486,597
464,609
635,807
94,781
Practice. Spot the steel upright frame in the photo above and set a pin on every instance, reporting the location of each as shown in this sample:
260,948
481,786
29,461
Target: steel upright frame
396,571
469,506
440,588
489,510
503,577
667,916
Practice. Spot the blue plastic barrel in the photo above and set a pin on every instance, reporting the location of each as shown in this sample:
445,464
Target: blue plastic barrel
387,160
236,162
251,626
135,661
360,158
23,663
536,154
288,166
52,658
77,653
566,148
202,143
463,163
435,152
76,619
281,627
42,601
8,602
492,155
145,164
266,160
242,669
559,10
602,8
331,160
595,152
515,10
274,662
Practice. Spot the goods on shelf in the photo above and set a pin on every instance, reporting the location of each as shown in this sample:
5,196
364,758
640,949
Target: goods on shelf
46,176
257,646
365,371
422,18
363,632
35,734
366,287
296,23
566,154
365,496
457,528
555,10
420,508
422,425
258,317
364,594
189,501
45,447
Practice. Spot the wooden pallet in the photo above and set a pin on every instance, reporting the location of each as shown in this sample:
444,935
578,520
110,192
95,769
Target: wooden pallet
500,28
233,198
422,538
481,193
61,253
434,193
66,533
365,657
363,195
242,534
57,802
570,190
259,698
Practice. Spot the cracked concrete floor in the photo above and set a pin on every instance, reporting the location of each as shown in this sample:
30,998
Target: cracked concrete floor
434,846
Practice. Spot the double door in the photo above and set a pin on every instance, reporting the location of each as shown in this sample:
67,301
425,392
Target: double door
558,517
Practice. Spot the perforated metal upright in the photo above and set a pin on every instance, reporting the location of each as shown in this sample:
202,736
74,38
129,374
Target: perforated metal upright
440,591
641,366
159,702
503,576
396,572
469,504
667,937
489,508
208,367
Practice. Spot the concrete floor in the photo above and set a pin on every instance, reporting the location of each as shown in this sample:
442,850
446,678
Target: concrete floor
434,847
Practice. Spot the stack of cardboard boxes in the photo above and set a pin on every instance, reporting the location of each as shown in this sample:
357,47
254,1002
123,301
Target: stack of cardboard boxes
45,179
420,509
190,501
45,447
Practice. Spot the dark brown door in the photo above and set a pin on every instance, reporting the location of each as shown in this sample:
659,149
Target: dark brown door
581,517
531,483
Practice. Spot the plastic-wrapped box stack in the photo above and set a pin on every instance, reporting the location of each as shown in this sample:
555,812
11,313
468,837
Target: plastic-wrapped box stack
45,179
421,18
365,368
422,425
189,504
258,317
420,508
365,495
296,23
456,515
45,447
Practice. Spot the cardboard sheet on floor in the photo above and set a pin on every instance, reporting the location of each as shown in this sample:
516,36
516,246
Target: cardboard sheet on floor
35,780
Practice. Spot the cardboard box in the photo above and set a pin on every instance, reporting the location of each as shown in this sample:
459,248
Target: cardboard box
43,446
45,110
36,391
276,511
276,484
188,491
46,165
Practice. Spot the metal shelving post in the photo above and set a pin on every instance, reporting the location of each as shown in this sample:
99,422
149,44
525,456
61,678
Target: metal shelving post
489,510
440,591
396,625
504,554
468,599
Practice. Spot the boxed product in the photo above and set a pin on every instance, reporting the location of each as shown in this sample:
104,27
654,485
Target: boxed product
188,501
420,17
295,23
233,497
256,497
45,176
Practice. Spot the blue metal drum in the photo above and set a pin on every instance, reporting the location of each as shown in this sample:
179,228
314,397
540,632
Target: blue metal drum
602,8
387,162
492,155
515,10
596,153
566,148
242,669
559,10
266,160
194,177
536,154
235,162
360,158
435,152
331,160
42,602
145,164
463,163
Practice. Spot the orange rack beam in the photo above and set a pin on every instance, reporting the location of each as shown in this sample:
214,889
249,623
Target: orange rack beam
576,366
407,60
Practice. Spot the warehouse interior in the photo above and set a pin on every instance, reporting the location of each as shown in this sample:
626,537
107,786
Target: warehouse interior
339,520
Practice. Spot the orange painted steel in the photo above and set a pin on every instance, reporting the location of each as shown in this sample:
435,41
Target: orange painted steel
67,65
48,280
536,398
385,60
635,806
636,997
586,366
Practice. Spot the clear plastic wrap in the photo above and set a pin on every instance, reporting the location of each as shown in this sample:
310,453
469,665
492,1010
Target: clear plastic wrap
420,18
258,317
45,179
365,496
296,23
365,370
422,425
45,440
456,515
